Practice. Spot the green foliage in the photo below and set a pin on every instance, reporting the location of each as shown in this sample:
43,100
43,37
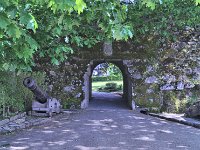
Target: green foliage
80,5
14,97
153,107
114,71
107,78
171,102
148,101
145,99
71,103
177,101
107,72
190,100
149,3
35,31
25,28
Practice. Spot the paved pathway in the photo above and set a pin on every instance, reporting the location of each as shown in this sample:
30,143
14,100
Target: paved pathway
107,101
102,127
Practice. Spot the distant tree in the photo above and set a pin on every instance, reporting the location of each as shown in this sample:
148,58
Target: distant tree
106,69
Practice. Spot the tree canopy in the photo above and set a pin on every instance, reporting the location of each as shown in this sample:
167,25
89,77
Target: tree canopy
53,29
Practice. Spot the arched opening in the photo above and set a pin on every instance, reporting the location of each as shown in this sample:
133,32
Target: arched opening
127,84
107,87
107,77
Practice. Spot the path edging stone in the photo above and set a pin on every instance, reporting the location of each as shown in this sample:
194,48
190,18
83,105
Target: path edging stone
13,118
185,122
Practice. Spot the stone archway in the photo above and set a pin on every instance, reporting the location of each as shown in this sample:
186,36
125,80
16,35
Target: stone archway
127,88
145,79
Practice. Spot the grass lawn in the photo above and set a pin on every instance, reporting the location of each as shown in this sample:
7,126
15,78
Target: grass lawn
96,85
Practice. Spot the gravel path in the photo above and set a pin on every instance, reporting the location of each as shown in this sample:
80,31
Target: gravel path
105,125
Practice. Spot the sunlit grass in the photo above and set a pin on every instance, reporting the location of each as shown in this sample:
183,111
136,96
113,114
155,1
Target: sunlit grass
98,84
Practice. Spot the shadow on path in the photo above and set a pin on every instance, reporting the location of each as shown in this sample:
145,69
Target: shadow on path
103,100
102,128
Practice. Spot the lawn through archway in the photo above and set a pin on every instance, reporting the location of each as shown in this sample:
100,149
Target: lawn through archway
107,77
107,87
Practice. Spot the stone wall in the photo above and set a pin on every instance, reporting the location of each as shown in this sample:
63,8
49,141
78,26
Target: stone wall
162,77
66,82
171,81
20,121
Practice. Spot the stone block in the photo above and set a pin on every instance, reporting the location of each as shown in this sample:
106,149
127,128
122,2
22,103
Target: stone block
169,78
3,122
152,79
8,128
12,124
136,75
167,87
107,48
15,117
78,95
68,88
192,43
180,85
22,126
2,130
19,121
189,85
133,105
23,115
27,124
36,123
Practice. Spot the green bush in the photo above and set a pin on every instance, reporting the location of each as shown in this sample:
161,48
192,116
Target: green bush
110,87
193,98
71,103
144,101
14,97
177,101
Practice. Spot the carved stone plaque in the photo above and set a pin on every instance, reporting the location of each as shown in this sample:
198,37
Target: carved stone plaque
107,48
